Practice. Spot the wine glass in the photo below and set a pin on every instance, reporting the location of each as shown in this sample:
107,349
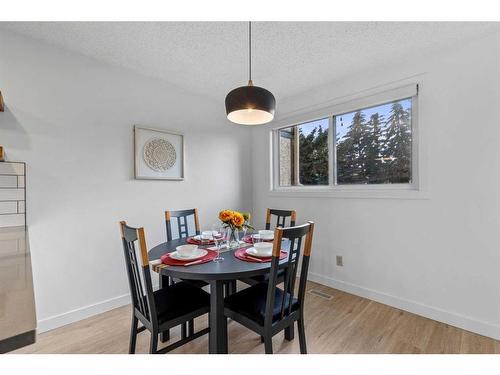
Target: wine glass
218,238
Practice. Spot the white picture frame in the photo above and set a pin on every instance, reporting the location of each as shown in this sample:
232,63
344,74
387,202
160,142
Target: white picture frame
158,154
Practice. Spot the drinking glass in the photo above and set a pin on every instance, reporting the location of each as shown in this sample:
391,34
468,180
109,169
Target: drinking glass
245,229
204,241
256,238
218,238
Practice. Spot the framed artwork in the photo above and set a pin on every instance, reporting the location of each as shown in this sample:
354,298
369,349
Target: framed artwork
159,154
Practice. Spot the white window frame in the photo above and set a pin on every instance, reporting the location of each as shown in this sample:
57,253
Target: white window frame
414,189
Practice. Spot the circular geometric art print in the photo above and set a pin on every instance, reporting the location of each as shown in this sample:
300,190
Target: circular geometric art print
159,154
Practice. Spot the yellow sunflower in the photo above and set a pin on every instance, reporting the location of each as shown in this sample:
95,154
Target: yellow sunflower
226,215
237,219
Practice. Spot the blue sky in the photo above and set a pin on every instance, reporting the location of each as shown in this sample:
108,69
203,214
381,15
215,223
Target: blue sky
343,121
309,126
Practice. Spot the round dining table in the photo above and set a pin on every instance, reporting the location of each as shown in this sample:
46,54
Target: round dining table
216,274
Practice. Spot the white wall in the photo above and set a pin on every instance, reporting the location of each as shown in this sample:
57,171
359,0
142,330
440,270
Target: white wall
71,119
439,256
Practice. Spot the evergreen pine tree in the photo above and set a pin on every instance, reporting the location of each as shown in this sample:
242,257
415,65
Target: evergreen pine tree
343,146
313,153
398,144
351,152
373,143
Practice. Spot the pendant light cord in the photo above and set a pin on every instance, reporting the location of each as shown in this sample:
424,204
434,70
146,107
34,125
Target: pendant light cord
249,52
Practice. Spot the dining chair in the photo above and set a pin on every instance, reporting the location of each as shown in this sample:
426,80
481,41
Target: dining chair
181,217
159,310
281,216
266,309
182,220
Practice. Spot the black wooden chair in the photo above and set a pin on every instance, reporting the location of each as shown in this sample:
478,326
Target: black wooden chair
183,231
160,310
266,309
181,218
281,218
182,223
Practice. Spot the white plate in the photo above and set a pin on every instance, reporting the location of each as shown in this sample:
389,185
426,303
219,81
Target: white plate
199,253
251,251
257,236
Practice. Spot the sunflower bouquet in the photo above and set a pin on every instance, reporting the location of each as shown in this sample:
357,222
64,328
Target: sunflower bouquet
235,220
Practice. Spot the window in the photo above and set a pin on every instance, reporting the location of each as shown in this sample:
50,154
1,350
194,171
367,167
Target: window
372,145
304,154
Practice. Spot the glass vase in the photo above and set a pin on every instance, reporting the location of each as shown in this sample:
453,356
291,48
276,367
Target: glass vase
233,239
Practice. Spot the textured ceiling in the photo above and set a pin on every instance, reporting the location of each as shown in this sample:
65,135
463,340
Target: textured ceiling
289,57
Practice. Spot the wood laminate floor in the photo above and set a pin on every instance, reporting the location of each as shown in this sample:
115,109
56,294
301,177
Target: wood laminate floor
344,324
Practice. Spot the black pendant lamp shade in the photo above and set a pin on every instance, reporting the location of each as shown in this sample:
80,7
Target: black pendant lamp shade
250,105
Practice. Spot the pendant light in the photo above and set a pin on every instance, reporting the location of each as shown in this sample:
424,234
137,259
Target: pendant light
250,105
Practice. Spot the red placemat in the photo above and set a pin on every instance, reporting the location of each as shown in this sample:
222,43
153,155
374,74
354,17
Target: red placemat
193,241
242,255
248,239
165,259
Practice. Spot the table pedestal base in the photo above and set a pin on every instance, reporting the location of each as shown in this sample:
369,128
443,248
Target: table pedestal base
218,322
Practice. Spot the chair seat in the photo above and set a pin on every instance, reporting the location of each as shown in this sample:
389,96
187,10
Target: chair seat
179,299
265,278
251,303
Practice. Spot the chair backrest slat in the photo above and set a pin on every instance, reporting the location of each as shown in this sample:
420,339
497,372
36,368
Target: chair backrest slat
138,289
294,256
141,288
281,217
182,222
295,236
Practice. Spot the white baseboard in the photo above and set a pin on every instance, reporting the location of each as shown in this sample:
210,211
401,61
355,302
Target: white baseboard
72,316
460,321
453,319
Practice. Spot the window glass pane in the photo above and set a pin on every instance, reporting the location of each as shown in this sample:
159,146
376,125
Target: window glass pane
313,153
286,145
373,145
303,154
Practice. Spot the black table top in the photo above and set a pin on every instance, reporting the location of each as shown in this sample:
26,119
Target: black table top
229,269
